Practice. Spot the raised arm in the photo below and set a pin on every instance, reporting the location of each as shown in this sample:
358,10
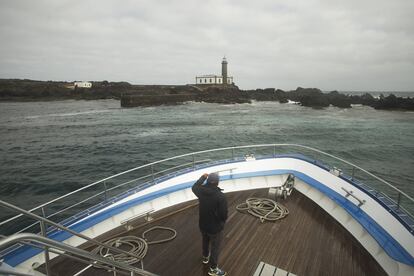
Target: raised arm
196,187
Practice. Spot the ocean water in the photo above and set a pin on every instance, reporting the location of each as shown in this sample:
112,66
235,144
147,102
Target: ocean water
50,148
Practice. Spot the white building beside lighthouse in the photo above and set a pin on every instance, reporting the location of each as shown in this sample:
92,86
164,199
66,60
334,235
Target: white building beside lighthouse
215,79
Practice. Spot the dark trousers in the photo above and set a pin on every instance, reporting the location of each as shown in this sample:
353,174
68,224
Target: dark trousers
211,246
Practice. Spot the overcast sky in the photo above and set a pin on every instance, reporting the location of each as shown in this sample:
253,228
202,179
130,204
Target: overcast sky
342,45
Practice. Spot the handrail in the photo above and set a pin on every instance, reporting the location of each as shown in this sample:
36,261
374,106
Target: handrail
208,151
22,237
112,188
57,252
59,226
45,219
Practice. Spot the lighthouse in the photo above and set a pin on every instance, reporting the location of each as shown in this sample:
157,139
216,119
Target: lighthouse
224,71
212,79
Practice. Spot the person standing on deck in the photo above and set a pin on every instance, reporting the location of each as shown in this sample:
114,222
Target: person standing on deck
212,217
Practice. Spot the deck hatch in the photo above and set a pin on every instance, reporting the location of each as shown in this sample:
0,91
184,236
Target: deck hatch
264,269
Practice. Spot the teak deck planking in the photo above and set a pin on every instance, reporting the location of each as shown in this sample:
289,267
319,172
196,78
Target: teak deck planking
307,242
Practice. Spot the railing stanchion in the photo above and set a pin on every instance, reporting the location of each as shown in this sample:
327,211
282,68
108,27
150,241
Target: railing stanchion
274,151
106,191
398,200
43,229
152,174
232,153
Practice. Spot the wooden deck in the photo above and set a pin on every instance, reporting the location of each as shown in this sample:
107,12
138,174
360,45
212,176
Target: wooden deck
307,242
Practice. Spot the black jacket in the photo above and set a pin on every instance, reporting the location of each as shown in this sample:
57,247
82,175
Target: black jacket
213,207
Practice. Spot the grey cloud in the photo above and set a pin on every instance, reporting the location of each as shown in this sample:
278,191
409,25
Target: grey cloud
344,45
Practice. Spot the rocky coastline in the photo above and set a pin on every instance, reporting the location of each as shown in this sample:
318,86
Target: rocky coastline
153,95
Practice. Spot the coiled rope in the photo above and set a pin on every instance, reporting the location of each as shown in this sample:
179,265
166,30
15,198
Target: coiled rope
264,208
138,246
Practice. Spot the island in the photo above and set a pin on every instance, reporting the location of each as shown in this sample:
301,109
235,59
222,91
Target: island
131,95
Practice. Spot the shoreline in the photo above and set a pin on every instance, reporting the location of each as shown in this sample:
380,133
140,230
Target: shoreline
12,90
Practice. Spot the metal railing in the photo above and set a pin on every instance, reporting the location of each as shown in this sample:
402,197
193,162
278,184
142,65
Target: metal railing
74,252
44,221
142,179
105,191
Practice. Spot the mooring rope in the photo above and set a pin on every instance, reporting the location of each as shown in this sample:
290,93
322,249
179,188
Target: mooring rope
138,246
160,228
263,208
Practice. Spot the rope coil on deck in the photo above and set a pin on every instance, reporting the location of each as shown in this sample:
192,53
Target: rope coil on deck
263,208
137,246
160,228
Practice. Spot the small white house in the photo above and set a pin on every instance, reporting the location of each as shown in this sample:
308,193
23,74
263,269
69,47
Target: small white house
82,84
